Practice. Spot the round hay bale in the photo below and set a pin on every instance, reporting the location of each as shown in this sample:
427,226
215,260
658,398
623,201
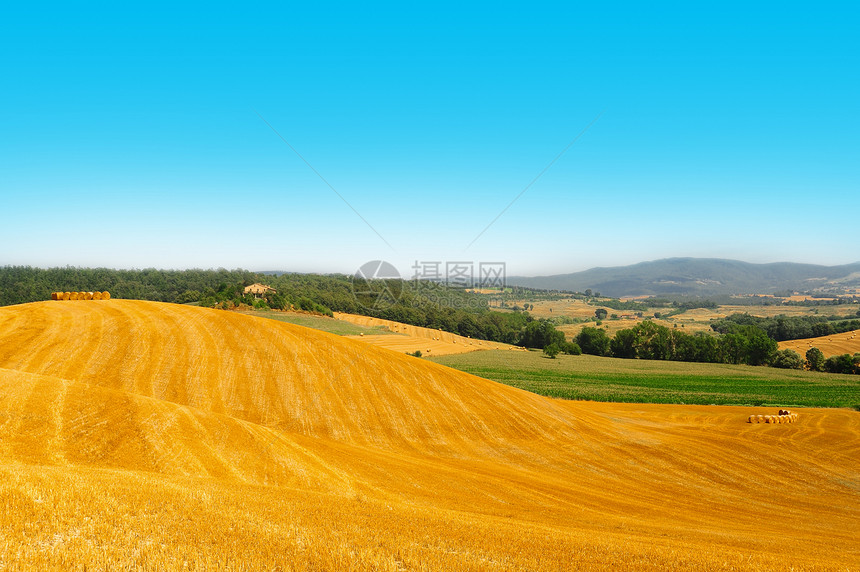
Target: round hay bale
74,296
97,295
67,295
105,295
759,418
752,419
89,295
54,295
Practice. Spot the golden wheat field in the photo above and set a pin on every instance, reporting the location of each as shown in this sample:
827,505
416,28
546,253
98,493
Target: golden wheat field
834,344
411,338
140,435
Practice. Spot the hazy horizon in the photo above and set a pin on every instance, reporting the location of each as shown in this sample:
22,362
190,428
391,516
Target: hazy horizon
552,138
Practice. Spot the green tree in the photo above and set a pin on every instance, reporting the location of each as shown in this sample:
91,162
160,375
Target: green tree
815,359
839,364
760,348
787,359
593,341
552,350
601,313
571,349
623,344
539,334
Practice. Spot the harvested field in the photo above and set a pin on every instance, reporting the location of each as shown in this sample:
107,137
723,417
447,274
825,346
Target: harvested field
613,326
140,435
569,307
412,338
835,344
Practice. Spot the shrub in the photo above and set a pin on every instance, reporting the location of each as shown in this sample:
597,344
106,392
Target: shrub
593,341
787,359
571,349
814,359
552,350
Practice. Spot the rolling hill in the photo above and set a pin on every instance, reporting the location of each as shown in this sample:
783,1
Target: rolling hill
147,435
699,277
832,345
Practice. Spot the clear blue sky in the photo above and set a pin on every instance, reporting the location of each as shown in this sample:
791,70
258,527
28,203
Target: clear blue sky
130,137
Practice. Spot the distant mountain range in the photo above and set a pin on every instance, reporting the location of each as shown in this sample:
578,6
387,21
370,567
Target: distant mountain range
701,277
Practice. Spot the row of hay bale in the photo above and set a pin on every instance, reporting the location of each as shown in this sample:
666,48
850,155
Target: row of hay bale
784,416
80,295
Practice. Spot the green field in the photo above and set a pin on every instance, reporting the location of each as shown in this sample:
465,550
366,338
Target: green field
323,323
644,381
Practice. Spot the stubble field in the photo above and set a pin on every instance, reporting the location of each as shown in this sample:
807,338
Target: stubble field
145,435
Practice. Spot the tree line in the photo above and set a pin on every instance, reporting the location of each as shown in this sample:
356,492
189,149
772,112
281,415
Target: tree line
738,344
782,328
420,304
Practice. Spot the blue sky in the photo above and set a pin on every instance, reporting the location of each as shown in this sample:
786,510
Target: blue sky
132,137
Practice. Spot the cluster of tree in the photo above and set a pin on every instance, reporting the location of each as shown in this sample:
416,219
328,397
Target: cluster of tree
22,284
845,363
628,305
421,304
830,301
647,340
781,328
541,334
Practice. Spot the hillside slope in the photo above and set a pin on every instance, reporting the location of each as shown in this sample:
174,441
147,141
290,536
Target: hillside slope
411,338
138,434
834,344
699,276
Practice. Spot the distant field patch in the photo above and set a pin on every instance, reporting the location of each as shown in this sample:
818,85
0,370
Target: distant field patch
832,345
323,323
643,381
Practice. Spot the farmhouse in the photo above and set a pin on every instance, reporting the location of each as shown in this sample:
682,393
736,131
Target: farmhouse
257,289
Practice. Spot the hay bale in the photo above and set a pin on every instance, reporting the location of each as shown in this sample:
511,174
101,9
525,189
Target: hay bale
105,295
760,418
97,295
89,295
54,296
67,295
74,296
752,419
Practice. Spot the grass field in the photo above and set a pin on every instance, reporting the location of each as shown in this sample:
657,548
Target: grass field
322,323
147,436
643,381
